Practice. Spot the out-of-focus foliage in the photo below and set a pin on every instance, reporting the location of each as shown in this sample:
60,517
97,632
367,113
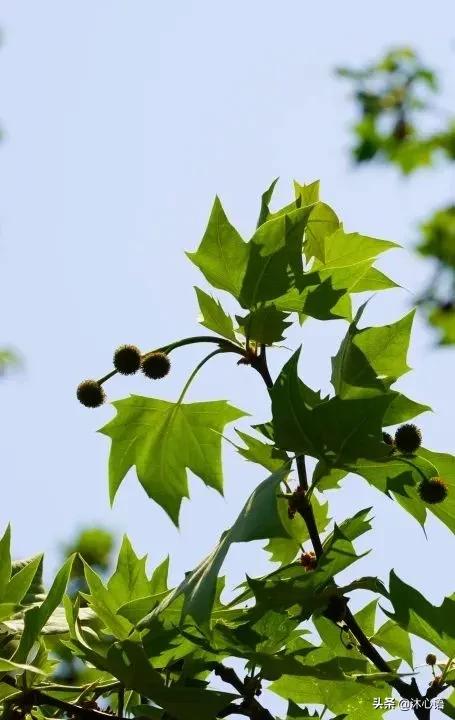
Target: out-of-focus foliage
401,123
8,360
93,546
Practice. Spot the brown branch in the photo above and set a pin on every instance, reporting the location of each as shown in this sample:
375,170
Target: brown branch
250,707
36,698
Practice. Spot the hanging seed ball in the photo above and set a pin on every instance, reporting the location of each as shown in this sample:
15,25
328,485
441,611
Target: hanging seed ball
127,359
90,393
433,491
408,438
387,438
308,560
156,365
430,659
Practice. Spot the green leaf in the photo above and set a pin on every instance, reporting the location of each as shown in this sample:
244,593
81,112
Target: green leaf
297,713
371,359
158,581
163,439
274,259
13,667
320,677
341,249
21,581
187,703
444,321
322,222
402,409
445,465
449,706
395,640
265,325
262,453
213,316
374,279
337,429
129,580
265,202
105,603
222,255
366,617
415,614
400,476
258,520
307,194
36,617
5,560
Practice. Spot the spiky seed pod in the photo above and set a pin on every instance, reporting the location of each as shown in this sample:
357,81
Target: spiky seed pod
156,365
433,491
408,438
336,608
430,659
127,359
387,438
308,560
90,393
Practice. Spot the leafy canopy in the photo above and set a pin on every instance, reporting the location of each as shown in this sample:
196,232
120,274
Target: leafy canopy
152,650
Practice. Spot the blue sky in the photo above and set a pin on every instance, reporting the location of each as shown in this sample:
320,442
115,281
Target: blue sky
122,120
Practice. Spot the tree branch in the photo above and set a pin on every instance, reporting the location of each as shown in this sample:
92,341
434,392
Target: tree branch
408,691
250,707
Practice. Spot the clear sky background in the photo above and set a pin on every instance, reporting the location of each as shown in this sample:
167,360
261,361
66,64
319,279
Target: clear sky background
122,120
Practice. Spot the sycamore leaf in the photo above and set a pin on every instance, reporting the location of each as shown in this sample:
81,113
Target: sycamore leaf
371,359
320,677
366,617
402,409
129,580
415,614
374,279
336,429
258,520
265,202
341,249
400,477
213,316
262,453
5,560
222,255
265,325
322,222
307,194
13,667
395,640
274,259
37,616
297,713
187,703
163,439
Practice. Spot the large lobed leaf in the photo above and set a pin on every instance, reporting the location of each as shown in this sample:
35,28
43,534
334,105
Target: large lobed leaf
162,439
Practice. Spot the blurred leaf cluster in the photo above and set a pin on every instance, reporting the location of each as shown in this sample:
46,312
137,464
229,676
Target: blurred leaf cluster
401,123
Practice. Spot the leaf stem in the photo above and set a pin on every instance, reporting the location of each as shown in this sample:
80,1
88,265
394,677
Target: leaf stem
195,372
